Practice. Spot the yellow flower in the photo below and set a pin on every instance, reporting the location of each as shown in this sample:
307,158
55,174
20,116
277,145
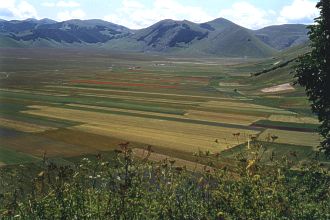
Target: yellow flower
250,163
256,177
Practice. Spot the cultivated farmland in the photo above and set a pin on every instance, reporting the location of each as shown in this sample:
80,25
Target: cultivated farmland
70,102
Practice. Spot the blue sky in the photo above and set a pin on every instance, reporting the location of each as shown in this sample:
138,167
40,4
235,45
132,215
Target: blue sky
135,14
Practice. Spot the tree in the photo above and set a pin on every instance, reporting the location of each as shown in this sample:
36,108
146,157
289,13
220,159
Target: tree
313,72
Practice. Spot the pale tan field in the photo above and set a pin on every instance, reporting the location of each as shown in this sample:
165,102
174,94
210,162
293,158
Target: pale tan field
278,88
243,106
171,134
35,92
293,137
191,166
239,119
23,126
222,84
191,114
294,119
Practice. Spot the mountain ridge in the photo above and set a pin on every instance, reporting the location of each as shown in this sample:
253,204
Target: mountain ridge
219,37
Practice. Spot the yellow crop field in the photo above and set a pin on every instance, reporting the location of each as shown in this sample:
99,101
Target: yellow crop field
243,106
167,139
172,134
90,117
292,137
44,92
92,107
294,119
23,126
239,119
191,114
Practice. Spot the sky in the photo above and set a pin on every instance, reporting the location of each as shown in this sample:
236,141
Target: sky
135,14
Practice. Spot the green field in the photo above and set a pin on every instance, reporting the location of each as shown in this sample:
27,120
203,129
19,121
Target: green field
71,102
8,156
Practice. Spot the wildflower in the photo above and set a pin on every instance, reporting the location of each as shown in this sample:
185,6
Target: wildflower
250,164
256,177
41,174
98,176
220,215
90,177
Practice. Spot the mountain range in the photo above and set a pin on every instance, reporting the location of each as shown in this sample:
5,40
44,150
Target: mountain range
219,37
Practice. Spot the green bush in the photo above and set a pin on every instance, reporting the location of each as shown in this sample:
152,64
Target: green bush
125,188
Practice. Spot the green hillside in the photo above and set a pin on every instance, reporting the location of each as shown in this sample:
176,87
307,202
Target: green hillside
220,37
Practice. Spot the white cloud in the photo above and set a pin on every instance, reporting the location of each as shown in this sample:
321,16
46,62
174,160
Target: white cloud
77,13
299,10
67,15
17,10
248,15
62,4
135,15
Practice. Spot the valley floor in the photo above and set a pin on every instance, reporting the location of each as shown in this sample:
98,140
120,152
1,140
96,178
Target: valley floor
67,103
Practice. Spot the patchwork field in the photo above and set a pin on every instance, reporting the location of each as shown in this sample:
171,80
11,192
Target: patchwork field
70,102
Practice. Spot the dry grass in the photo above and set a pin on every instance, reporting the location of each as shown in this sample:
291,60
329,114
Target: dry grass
292,137
293,119
23,126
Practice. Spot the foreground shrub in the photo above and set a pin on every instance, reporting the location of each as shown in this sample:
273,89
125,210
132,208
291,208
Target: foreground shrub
125,188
